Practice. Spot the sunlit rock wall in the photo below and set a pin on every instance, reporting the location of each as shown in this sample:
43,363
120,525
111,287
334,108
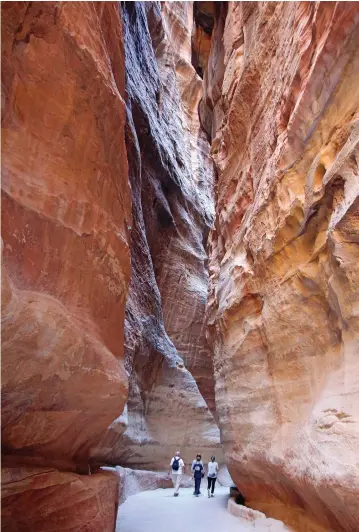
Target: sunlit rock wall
281,105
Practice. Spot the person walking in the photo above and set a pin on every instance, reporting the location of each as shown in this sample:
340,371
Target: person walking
198,456
212,476
177,469
195,460
198,473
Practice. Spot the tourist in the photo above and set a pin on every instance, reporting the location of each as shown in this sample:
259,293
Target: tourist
177,469
193,463
195,460
212,476
198,473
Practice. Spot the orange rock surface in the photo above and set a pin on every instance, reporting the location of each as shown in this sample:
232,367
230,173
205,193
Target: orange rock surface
72,194
66,212
107,203
283,310
39,499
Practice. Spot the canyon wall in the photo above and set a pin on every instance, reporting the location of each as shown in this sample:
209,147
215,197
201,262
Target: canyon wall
281,106
66,212
106,208
171,175
107,186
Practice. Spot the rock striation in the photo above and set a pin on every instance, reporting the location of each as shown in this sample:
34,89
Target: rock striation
39,499
170,365
281,106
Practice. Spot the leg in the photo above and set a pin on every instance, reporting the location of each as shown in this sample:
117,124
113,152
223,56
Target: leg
213,484
178,482
174,480
197,482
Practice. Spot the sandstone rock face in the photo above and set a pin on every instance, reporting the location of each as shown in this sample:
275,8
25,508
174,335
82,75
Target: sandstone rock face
132,481
107,207
259,522
66,208
181,264
171,179
37,500
75,187
283,313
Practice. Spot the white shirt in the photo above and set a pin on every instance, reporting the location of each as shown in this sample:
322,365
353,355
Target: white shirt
180,466
212,469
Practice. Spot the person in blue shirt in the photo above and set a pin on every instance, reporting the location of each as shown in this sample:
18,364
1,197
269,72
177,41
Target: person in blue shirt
198,473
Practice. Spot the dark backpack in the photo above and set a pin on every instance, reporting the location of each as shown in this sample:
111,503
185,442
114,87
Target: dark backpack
175,464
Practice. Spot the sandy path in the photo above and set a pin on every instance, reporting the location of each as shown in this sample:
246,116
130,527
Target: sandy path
159,511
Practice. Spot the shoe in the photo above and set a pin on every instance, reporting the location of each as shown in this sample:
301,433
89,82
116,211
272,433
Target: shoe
208,494
212,495
175,494
197,495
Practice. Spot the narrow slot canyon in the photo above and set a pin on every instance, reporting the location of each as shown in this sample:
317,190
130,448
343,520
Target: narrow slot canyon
180,264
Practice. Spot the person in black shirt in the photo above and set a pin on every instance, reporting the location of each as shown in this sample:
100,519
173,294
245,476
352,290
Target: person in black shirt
198,473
